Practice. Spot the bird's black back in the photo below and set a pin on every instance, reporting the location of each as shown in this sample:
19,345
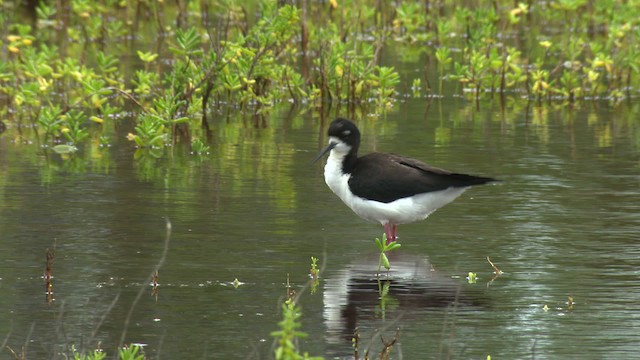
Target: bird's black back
388,177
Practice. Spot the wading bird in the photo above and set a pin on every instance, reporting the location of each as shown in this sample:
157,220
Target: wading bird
386,188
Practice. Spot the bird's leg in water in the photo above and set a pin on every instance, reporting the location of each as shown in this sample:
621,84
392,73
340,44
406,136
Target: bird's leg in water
390,230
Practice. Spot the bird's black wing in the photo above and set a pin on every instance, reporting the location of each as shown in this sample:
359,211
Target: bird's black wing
388,177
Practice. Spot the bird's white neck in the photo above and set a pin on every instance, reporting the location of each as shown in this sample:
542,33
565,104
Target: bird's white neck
334,174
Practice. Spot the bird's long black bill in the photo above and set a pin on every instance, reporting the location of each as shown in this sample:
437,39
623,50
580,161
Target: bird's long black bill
324,151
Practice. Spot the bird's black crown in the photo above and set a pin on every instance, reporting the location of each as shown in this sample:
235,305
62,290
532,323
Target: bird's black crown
346,131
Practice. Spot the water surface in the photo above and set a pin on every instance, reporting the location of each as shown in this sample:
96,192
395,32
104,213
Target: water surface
563,225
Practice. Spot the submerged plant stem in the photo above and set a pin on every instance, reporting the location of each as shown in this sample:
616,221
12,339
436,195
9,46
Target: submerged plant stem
143,287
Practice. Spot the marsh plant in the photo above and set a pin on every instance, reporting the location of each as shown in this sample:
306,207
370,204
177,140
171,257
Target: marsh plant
384,247
131,352
289,334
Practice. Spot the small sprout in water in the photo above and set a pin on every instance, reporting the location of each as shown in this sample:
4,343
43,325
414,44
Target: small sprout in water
495,268
545,308
384,247
472,277
570,302
154,279
314,274
237,283
314,271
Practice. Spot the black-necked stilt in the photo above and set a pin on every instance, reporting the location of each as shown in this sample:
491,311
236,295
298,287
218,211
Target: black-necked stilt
387,188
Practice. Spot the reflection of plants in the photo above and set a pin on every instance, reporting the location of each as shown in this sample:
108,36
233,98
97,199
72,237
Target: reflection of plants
444,59
199,147
386,300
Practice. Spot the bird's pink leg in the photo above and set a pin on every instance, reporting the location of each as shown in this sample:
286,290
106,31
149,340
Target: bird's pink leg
388,231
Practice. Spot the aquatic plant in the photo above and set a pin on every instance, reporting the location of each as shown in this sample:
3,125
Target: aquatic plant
131,352
288,335
93,355
472,277
385,247
314,272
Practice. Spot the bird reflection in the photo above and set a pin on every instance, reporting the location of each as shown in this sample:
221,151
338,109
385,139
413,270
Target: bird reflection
356,298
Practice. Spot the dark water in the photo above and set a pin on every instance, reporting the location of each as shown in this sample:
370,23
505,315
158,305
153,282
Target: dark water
564,224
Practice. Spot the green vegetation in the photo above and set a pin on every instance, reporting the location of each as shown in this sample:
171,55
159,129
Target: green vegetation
289,334
314,274
385,247
71,77
472,277
132,352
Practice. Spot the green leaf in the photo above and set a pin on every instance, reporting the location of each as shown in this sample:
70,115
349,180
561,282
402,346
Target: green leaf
147,56
379,244
385,261
180,120
394,245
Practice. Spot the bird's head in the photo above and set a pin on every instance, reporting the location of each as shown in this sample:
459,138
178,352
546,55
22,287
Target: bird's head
344,137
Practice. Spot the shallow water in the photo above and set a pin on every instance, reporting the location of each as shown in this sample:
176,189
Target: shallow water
564,223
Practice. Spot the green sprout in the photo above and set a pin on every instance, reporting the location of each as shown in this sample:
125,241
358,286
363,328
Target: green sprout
472,277
314,271
384,248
